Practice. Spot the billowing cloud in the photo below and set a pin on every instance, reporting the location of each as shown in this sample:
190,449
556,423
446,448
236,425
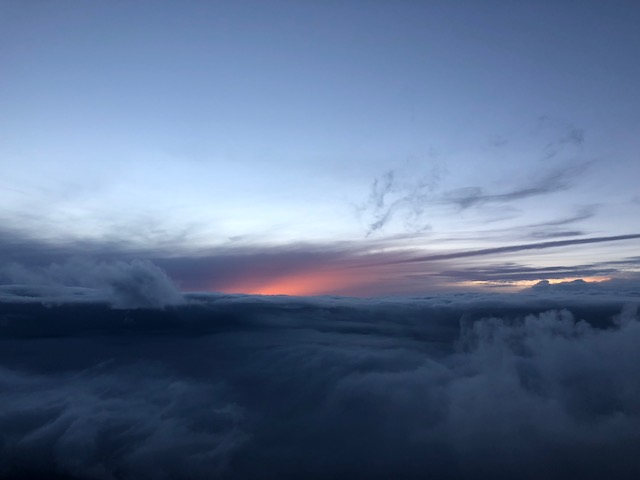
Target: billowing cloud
455,386
104,422
132,284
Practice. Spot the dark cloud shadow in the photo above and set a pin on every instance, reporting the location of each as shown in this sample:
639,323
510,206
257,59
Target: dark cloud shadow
542,383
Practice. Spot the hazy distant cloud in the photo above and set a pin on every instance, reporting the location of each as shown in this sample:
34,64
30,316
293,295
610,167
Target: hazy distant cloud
557,234
132,284
511,272
564,136
583,213
555,137
626,284
631,262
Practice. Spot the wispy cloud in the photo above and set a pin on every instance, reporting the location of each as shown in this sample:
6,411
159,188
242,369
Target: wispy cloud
401,194
417,197
517,248
566,136
552,182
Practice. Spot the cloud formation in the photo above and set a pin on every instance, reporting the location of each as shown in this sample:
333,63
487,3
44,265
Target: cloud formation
554,181
518,248
453,386
101,423
398,194
134,284
372,267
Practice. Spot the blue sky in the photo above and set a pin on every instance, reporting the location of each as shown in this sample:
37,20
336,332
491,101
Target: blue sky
317,147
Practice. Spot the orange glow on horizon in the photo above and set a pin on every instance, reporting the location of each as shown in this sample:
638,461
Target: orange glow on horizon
521,284
333,280
324,282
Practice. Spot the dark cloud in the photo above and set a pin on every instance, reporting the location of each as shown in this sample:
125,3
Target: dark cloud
134,284
226,266
375,266
231,264
140,422
557,234
630,283
457,386
629,261
511,272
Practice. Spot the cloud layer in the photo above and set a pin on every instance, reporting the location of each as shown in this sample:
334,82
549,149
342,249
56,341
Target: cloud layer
134,284
538,384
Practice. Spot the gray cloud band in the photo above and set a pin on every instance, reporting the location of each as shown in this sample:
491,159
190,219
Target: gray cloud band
517,248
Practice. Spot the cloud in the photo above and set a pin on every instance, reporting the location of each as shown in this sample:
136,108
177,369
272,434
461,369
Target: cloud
400,194
530,389
557,234
509,272
375,266
138,421
134,284
555,181
621,284
565,136
452,386
413,196
517,248
584,213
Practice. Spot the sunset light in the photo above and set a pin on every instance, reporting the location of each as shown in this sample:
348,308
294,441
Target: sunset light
322,282
515,285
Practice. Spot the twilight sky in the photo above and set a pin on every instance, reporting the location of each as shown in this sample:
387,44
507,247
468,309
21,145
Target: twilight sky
323,147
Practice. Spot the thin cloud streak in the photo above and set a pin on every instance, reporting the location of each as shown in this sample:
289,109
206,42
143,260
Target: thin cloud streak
517,248
554,181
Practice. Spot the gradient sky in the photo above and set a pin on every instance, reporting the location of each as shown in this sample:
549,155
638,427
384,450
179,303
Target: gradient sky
324,147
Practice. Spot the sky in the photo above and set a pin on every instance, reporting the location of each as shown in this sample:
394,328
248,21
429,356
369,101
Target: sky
319,239
321,147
